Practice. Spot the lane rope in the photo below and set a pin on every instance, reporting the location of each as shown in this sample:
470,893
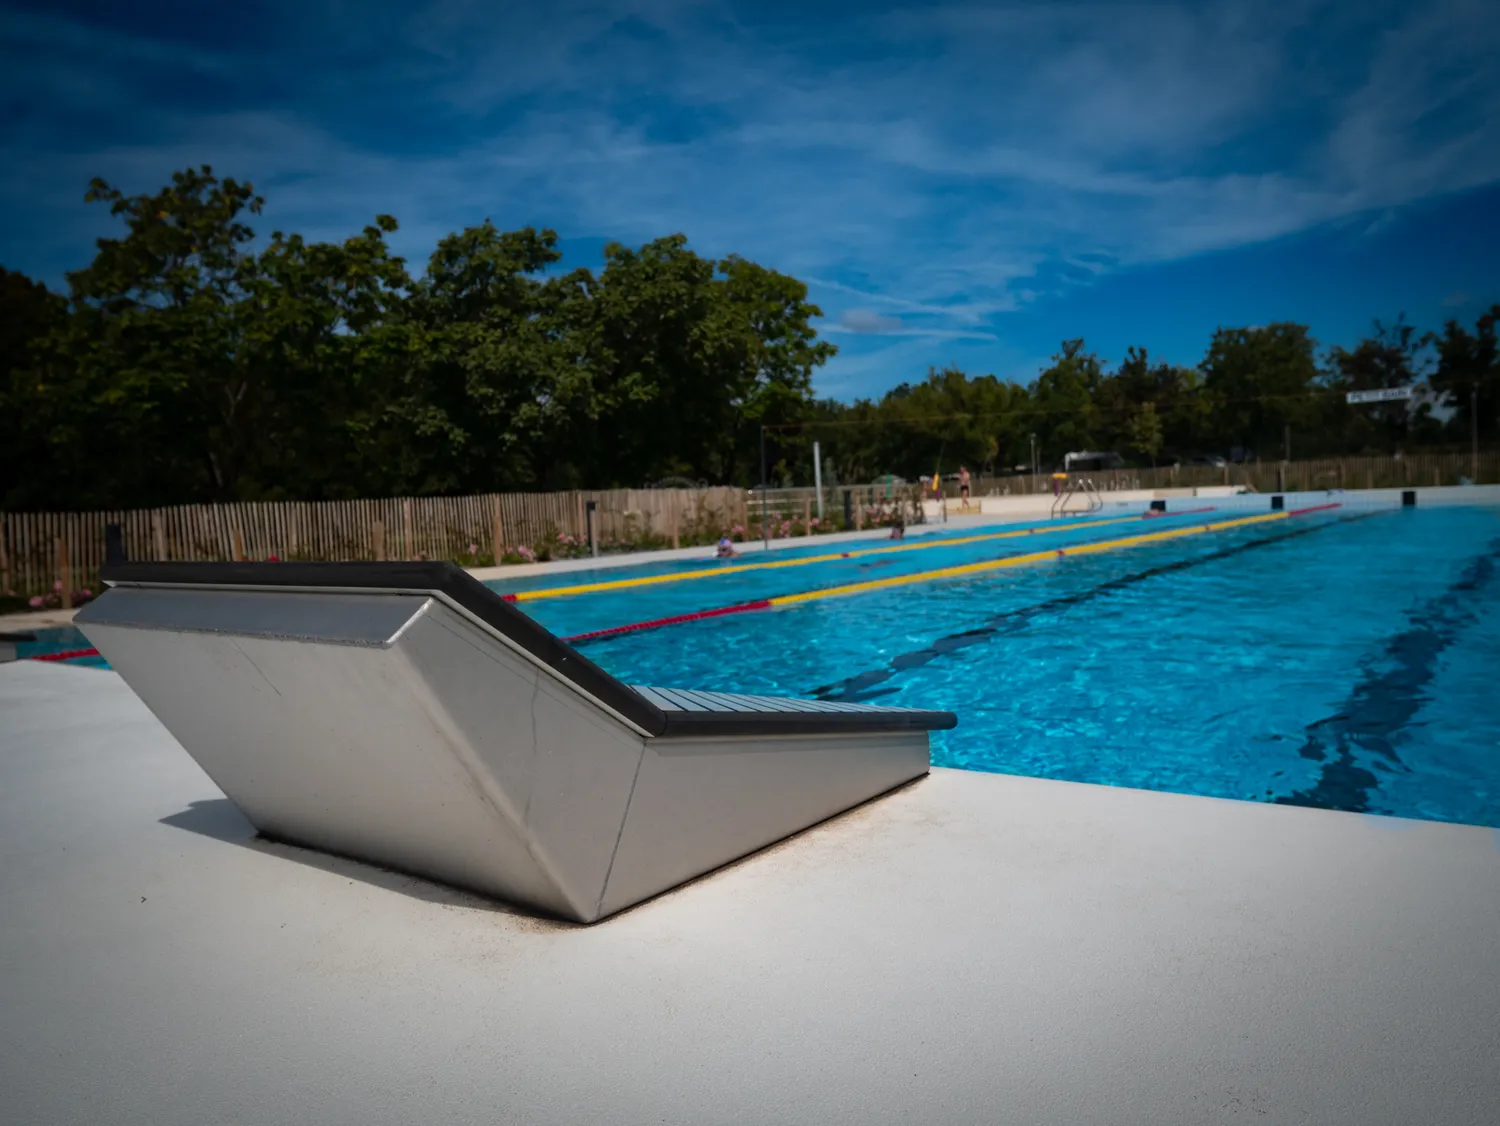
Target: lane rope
806,561
986,566
963,570
66,655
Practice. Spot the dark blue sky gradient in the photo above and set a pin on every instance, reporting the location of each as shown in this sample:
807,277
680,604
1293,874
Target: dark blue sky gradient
962,183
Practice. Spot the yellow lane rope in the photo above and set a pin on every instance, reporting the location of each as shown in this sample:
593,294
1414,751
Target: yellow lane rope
1020,560
805,561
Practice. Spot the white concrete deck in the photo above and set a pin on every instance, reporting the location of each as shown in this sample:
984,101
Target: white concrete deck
971,949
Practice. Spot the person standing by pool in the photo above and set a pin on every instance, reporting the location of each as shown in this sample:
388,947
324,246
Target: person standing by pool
963,487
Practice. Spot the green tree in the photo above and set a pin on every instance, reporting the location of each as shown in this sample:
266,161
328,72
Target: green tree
1145,431
700,351
198,369
37,437
192,361
1066,398
1468,372
505,366
1390,357
145,357
1260,381
1175,392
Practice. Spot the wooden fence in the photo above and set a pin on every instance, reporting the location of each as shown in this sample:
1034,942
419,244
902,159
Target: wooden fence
41,549
1271,476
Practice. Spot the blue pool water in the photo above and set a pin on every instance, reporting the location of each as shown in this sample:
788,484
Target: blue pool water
1337,660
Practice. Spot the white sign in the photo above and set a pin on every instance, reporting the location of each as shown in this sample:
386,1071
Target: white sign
1385,395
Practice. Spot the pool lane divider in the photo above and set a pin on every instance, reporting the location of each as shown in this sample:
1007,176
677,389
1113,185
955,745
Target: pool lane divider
833,557
66,655
961,571
674,620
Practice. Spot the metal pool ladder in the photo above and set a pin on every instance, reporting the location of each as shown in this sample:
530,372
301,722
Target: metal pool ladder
1084,488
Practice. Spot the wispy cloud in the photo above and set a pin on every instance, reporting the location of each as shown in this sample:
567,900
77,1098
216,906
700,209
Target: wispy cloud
867,322
930,170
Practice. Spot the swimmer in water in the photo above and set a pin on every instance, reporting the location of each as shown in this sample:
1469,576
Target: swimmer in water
726,549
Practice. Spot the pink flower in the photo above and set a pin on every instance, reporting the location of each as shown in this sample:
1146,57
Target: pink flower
86,593
57,585
272,559
36,602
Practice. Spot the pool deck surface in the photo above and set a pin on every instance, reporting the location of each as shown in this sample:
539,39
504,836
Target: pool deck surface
970,949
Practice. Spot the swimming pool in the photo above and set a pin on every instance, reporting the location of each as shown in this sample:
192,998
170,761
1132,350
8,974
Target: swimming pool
1337,659
1334,658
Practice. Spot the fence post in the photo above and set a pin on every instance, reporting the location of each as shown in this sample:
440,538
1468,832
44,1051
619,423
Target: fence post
588,512
4,554
377,541
407,529
1369,476
818,478
497,531
848,510
114,543
64,572
806,517
672,514
237,543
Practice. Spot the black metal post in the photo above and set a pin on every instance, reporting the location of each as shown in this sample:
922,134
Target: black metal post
588,513
114,543
765,529
848,510
1474,433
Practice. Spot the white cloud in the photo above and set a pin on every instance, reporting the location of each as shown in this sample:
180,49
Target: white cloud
946,164
867,320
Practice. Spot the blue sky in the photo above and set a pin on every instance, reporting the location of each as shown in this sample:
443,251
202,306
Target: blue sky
959,183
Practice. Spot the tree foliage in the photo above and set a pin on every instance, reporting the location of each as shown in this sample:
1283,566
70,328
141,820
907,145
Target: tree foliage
193,361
